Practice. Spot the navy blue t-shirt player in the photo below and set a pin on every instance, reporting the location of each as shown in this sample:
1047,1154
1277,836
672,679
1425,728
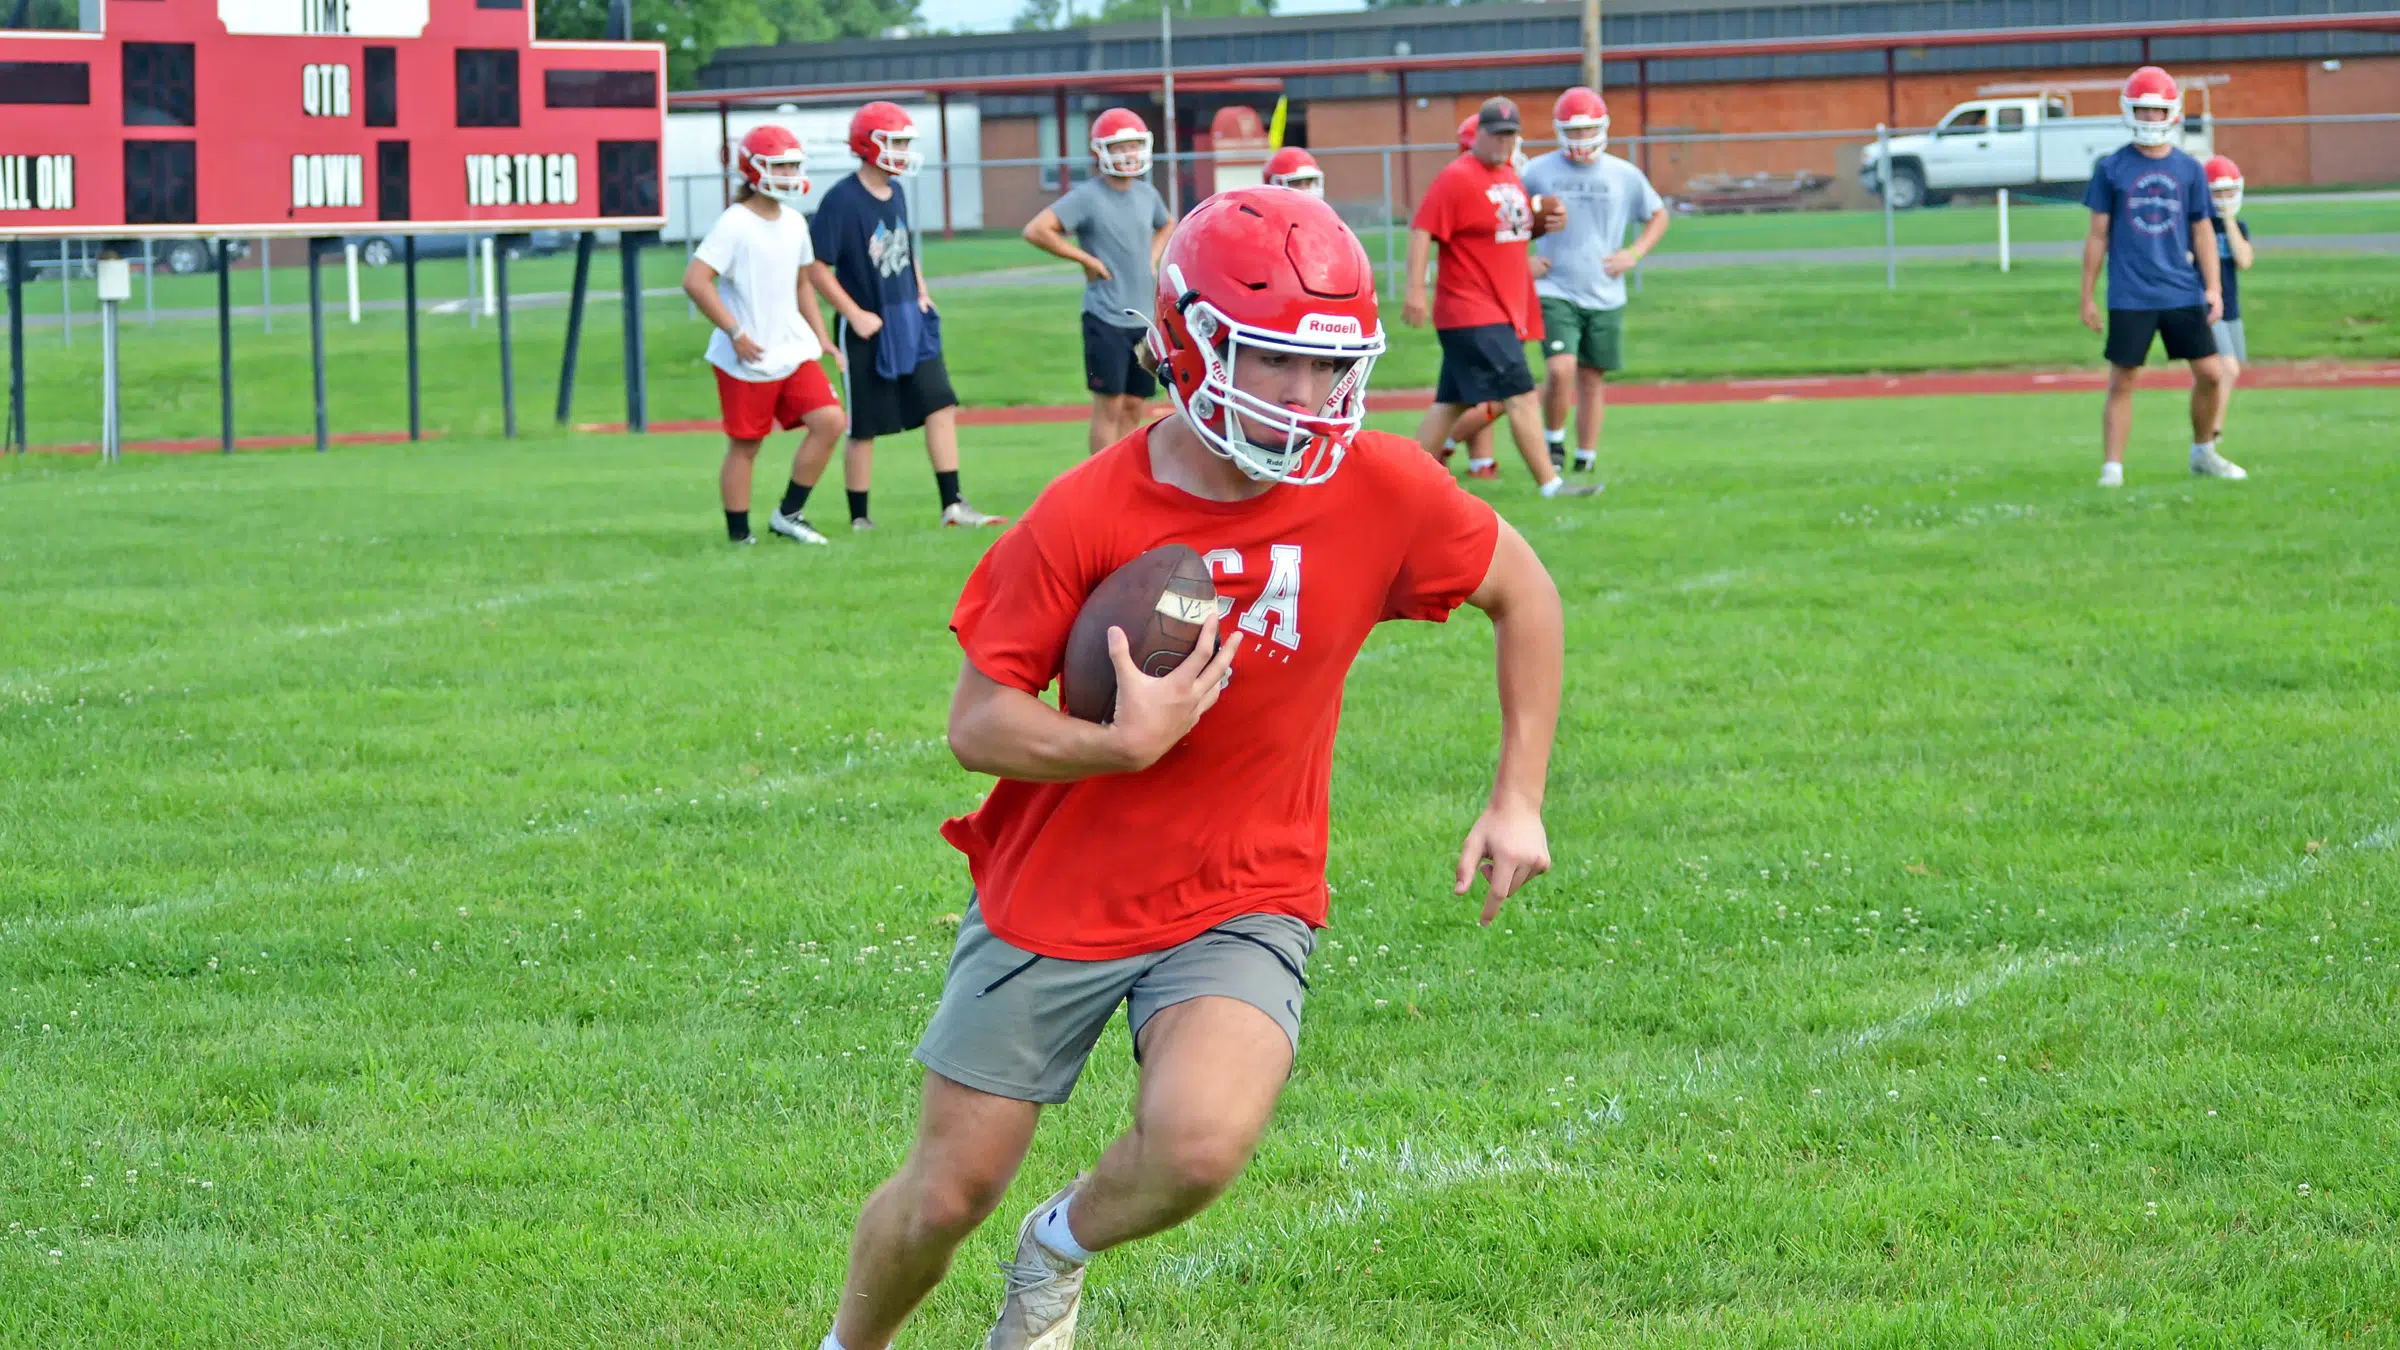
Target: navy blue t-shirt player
2151,205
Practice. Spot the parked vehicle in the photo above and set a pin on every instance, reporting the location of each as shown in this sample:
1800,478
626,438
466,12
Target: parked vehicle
182,257
2028,144
382,250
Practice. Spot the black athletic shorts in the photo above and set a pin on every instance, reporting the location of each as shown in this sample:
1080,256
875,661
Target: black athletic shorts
2184,331
881,407
1483,364
1109,366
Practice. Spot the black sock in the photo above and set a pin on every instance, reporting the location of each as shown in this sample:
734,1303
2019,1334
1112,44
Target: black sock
947,481
795,498
858,506
737,525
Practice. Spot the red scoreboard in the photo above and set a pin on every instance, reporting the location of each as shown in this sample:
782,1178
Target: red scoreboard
316,117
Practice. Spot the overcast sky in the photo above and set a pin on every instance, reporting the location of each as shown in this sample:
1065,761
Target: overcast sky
991,16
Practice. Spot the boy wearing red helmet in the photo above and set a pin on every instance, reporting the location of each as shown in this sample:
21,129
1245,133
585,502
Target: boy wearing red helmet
1092,887
891,337
750,279
1295,168
1120,223
2150,226
2234,256
1484,305
1580,269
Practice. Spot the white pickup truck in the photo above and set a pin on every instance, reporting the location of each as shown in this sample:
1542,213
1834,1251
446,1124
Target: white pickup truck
2024,144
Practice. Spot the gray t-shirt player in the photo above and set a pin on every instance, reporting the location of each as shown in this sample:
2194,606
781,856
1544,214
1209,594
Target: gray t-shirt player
1116,227
1604,198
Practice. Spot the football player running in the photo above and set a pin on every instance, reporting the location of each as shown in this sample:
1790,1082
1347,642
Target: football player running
1119,223
749,278
1580,273
2151,226
1173,859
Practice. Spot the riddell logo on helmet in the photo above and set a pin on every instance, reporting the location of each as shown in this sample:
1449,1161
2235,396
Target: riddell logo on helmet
1330,325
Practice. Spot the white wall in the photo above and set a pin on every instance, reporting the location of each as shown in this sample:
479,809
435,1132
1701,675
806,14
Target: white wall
824,131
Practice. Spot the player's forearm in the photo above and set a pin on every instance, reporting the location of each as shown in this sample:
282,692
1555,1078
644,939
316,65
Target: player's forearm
821,276
1009,733
1420,249
811,313
2095,256
2204,251
1055,243
701,285
1653,230
2243,254
1530,646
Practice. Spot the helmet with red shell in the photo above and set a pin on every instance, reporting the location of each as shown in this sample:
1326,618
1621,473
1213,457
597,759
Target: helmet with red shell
2225,184
1294,167
769,160
1581,119
1259,270
2151,87
1121,142
882,134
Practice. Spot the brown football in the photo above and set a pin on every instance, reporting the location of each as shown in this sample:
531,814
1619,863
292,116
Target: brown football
1160,599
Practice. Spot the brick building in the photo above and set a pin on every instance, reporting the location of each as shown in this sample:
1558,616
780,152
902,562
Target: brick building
1773,83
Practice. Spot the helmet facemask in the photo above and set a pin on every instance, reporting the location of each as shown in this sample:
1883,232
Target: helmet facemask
1126,155
1583,142
2227,194
2150,133
1267,441
781,177
1308,179
895,150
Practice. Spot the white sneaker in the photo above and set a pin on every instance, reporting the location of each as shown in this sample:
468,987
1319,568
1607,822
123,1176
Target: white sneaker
1560,487
795,528
2112,475
1044,1291
960,513
1586,460
860,523
2207,463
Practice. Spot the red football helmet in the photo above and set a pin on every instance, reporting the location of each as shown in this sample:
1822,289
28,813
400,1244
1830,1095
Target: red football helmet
2225,184
1466,134
1581,119
1265,270
2151,87
770,162
1121,142
1294,167
881,134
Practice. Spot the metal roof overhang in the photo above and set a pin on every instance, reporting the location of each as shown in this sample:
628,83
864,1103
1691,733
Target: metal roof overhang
1266,76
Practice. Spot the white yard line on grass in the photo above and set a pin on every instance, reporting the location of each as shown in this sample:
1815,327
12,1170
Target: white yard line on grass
1406,1178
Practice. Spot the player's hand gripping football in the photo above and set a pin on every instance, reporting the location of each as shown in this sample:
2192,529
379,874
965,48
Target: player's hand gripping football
1509,847
1155,712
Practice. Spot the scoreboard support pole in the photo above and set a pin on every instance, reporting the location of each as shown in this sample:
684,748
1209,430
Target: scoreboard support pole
408,275
566,363
316,332
498,257
225,344
15,437
637,392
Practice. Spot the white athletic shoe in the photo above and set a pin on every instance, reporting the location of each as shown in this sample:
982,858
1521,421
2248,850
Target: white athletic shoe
2112,475
795,528
860,523
2207,463
960,513
1586,460
1044,1290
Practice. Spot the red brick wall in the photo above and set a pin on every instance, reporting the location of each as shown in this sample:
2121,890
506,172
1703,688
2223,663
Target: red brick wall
2366,153
1012,196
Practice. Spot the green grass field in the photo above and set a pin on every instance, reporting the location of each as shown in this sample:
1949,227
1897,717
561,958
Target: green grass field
1021,345
449,898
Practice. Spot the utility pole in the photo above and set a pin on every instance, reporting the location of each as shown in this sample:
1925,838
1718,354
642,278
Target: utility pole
1591,45
1166,61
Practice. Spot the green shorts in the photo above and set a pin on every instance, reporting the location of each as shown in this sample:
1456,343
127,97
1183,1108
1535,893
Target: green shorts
1596,336
1019,1025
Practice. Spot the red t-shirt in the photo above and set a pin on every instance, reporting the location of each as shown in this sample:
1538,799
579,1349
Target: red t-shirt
1233,819
1482,219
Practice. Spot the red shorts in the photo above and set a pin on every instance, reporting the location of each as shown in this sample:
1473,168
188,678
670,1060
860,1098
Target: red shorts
754,408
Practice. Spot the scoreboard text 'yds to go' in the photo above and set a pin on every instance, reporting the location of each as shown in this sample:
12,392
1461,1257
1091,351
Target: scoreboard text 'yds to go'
312,117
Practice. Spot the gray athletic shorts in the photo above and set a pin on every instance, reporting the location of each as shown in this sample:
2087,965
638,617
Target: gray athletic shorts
1019,1025
2230,341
